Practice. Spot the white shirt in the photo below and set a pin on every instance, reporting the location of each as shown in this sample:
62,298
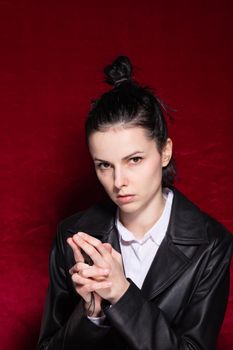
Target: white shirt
137,255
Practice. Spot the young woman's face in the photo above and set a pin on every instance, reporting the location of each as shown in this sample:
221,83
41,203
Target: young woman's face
129,166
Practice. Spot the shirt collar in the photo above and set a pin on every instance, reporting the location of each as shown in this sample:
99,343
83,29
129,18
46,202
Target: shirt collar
157,231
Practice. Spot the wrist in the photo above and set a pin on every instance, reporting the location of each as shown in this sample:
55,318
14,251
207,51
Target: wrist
120,293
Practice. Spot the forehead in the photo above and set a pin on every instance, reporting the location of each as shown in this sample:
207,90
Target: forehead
118,141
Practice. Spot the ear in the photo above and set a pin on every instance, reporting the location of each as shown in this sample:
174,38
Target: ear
167,152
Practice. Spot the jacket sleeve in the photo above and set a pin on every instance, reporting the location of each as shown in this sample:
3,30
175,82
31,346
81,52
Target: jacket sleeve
64,324
145,326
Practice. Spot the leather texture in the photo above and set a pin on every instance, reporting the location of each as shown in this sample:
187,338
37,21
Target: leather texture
181,304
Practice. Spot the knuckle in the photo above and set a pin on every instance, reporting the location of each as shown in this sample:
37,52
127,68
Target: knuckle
78,266
99,245
74,277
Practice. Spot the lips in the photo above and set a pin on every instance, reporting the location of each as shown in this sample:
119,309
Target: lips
127,198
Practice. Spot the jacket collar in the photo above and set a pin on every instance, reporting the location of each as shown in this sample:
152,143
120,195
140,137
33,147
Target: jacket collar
186,225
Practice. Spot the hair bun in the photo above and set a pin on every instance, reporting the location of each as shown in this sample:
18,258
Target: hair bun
119,71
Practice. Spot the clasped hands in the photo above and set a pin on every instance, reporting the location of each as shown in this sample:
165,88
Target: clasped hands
104,279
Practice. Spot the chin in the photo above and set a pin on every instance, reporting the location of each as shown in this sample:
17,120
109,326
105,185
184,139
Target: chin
129,208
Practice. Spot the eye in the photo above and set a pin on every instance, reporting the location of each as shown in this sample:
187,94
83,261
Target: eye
135,160
103,165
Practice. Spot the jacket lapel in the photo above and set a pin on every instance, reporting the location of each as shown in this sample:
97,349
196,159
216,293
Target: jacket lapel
185,233
168,264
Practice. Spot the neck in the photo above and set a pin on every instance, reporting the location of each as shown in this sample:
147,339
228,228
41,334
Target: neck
141,221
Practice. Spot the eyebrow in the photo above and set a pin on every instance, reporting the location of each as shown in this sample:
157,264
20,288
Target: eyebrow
126,157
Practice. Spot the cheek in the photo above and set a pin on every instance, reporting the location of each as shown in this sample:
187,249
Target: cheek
153,172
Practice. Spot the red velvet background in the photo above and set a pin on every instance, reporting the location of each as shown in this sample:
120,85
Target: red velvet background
52,53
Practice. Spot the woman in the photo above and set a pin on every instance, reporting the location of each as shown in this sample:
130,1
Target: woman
148,269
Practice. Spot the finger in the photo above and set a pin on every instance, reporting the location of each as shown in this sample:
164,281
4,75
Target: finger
85,291
92,246
77,267
89,285
76,250
89,271
90,239
89,249
95,273
95,286
78,279
103,248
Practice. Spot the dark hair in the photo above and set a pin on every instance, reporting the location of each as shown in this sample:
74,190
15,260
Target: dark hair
132,105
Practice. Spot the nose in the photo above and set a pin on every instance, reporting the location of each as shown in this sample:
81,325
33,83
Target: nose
120,178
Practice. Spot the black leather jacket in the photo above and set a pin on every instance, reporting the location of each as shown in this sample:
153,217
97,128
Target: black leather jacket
181,304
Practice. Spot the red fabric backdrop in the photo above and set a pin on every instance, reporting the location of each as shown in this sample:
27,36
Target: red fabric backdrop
52,53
